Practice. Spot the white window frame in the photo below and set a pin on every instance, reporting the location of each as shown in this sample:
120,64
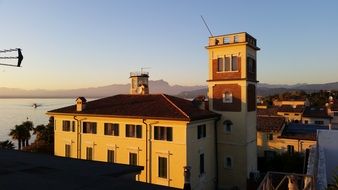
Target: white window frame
227,97
224,57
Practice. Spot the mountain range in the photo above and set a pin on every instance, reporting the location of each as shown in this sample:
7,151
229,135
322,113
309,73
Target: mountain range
156,87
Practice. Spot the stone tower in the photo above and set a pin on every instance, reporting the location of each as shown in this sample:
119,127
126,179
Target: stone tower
232,93
139,83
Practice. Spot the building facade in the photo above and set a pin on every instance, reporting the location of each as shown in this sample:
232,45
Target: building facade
232,94
166,134
162,133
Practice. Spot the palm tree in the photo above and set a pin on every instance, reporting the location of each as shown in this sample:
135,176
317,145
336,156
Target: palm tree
18,133
28,125
6,145
39,131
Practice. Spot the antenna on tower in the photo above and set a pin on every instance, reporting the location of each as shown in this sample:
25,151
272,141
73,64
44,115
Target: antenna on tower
142,68
207,26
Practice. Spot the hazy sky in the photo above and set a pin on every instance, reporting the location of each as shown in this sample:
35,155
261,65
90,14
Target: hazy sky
81,43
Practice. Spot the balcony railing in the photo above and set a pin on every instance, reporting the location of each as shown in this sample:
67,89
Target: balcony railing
291,181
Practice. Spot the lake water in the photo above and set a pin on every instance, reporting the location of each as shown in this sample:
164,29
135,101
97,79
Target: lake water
15,111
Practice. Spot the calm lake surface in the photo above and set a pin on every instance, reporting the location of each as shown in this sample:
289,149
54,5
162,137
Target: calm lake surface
15,111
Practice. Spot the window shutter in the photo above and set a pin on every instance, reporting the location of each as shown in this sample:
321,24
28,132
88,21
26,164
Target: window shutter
156,133
169,134
116,129
139,131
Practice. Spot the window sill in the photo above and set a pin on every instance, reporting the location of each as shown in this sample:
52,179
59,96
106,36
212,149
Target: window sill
227,71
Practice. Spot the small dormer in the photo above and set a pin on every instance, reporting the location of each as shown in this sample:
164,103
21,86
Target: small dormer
80,103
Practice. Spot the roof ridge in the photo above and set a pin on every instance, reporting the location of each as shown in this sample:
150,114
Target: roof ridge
172,103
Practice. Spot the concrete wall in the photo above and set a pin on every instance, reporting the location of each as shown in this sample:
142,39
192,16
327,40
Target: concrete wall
328,140
205,146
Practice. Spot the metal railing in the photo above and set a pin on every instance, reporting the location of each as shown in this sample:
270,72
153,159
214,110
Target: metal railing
290,181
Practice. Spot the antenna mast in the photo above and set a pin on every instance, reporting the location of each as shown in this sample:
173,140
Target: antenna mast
207,26
19,57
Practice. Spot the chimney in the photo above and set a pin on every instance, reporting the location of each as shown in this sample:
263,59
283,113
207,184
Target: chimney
139,82
80,103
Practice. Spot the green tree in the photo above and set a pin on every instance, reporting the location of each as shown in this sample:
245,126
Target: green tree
19,133
6,145
28,125
44,141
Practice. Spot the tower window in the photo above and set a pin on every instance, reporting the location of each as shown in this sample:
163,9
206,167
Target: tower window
251,64
228,162
228,63
234,63
227,126
220,64
227,97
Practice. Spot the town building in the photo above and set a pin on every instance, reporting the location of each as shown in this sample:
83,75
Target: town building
269,128
291,113
168,135
232,94
314,115
162,133
292,102
332,110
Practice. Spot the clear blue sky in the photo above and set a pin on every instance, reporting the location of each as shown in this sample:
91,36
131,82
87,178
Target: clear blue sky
82,43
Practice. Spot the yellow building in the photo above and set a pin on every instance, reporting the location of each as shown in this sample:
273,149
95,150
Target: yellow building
166,134
160,132
232,93
291,113
269,128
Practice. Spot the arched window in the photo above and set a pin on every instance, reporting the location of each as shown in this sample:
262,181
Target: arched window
227,97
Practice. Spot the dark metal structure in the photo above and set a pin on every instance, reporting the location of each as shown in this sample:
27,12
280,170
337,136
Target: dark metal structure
19,57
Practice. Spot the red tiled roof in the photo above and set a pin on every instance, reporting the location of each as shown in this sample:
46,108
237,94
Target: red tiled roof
288,108
160,106
270,123
267,111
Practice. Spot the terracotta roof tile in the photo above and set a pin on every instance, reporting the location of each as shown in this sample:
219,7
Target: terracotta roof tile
158,106
290,109
270,123
267,111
